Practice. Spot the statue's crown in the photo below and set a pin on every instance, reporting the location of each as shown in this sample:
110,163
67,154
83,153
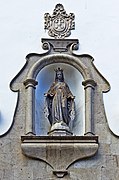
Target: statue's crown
58,70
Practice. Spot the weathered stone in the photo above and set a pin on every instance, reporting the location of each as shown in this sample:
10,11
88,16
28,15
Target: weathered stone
89,157
66,150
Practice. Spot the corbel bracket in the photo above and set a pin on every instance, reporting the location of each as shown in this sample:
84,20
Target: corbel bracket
59,151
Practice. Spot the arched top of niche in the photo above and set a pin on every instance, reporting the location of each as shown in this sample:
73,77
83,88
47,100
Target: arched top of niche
83,63
58,58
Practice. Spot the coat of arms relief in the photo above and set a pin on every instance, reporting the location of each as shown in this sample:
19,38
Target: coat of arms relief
59,23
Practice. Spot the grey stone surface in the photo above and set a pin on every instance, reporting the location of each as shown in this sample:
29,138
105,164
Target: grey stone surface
66,149
15,165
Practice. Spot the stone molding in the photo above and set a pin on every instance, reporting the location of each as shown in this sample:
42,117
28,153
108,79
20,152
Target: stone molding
67,150
60,45
72,148
30,83
89,86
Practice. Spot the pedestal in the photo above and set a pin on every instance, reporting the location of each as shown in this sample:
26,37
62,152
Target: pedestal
60,129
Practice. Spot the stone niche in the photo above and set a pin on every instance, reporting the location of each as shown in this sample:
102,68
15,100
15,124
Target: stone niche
58,151
31,83
74,79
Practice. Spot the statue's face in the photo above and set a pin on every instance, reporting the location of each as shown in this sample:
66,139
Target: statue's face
59,75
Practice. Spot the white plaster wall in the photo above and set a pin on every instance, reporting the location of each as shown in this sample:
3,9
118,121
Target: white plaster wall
97,28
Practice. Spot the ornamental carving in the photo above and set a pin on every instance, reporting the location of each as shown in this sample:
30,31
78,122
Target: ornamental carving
57,130
60,24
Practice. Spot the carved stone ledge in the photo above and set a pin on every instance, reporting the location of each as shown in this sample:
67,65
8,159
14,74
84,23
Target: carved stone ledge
59,151
60,45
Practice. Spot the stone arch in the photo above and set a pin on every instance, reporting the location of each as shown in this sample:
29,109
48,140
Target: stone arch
60,58
31,82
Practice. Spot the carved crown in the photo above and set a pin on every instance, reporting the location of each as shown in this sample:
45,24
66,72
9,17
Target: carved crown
59,70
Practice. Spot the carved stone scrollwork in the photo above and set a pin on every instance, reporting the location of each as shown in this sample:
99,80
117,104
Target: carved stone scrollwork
60,23
60,45
46,45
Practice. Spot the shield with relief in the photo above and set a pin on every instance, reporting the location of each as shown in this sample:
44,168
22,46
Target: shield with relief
60,23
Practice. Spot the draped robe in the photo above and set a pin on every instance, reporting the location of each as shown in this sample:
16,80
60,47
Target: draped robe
59,103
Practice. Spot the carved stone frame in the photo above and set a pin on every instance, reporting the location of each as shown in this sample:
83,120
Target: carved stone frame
67,149
30,83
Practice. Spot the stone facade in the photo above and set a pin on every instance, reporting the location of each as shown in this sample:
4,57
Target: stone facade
15,164
93,155
104,165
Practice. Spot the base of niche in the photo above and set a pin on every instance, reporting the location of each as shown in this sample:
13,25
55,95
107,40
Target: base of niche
59,151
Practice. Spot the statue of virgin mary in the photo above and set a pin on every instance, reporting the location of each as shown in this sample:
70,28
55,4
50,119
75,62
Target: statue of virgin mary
59,102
